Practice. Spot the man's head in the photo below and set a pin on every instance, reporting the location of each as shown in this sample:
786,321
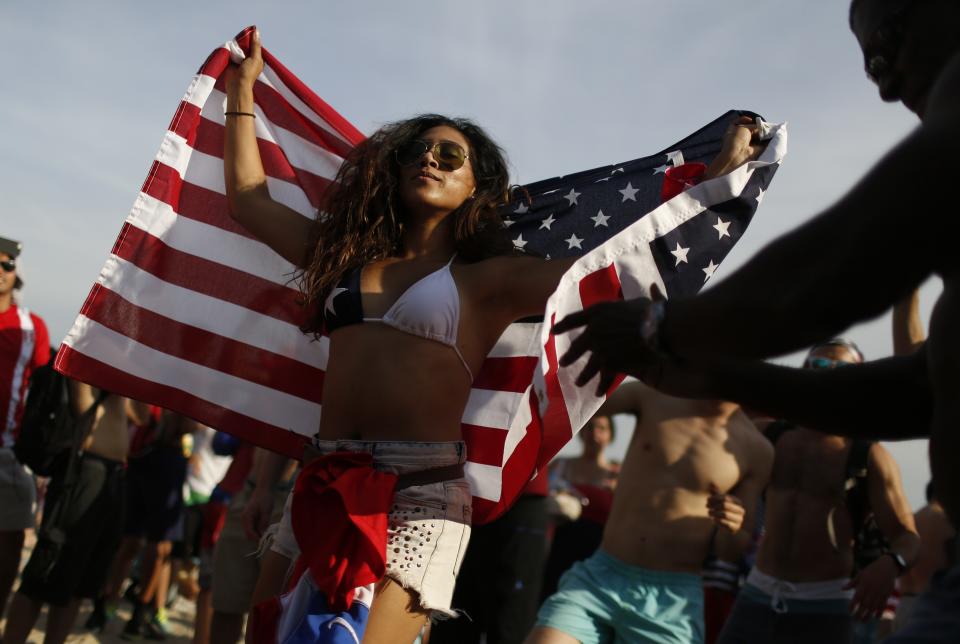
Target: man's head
906,44
833,353
9,279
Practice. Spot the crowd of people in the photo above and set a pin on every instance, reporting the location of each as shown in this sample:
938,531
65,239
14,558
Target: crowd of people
754,503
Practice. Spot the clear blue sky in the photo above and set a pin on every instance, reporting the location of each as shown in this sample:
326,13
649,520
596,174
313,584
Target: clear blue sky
562,85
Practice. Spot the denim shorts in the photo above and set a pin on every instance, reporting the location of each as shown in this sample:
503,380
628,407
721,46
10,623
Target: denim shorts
428,525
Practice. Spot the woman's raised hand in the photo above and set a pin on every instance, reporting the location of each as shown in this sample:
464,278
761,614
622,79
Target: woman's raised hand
244,75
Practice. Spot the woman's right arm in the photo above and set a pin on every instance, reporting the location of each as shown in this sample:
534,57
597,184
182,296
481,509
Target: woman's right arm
281,228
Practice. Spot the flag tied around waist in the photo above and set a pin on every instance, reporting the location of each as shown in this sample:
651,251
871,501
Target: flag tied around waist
191,313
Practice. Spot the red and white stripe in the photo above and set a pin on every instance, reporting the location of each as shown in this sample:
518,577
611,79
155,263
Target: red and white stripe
193,314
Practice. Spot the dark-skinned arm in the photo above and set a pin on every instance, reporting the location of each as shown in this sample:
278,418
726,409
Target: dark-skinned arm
849,264
908,334
887,399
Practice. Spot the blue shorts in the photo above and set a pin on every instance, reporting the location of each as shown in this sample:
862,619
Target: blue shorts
603,599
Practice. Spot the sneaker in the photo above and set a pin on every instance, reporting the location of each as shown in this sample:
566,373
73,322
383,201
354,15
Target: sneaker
102,614
134,628
157,628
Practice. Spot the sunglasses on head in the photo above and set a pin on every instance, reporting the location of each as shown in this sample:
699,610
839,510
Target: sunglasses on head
8,265
824,363
448,154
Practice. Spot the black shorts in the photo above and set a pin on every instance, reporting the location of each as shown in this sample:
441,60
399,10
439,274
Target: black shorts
155,494
92,526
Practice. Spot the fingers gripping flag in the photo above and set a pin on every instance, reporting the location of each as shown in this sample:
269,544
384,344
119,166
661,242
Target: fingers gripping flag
193,314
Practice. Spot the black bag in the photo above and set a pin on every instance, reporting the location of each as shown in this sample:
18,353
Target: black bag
49,429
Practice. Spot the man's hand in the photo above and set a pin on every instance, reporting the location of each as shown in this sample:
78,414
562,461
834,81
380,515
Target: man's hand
725,510
256,513
873,585
613,336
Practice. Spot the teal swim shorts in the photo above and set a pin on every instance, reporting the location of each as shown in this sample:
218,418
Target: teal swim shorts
603,600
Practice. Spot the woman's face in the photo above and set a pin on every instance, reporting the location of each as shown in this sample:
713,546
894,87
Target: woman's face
597,432
426,187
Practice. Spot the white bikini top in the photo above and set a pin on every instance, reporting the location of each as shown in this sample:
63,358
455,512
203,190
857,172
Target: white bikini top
429,308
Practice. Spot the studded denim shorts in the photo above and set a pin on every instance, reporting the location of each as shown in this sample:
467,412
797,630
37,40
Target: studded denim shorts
428,526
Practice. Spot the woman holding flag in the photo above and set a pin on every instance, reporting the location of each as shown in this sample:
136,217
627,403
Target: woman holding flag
414,279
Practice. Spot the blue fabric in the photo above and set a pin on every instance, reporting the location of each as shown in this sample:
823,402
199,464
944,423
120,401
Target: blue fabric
603,599
316,624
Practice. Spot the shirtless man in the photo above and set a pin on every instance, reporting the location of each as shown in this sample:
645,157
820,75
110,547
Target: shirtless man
691,466
801,589
853,262
92,524
937,537
935,529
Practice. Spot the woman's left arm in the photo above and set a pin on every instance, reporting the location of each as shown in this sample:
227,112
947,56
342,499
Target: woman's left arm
520,286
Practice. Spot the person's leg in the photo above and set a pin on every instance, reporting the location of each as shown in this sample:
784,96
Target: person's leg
60,621
11,545
274,568
202,620
18,493
226,628
22,616
516,589
549,635
395,616
120,567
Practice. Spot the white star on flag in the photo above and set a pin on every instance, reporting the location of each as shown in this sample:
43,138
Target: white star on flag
519,242
572,196
521,208
629,192
661,169
508,222
721,228
573,242
681,254
328,305
709,270
759,196
546,223
600,219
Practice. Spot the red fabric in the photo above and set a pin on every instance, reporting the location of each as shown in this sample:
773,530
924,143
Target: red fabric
539,485
143,436
339,516
717,605
16,367
240,467
600,502
214,516
681,177
264,621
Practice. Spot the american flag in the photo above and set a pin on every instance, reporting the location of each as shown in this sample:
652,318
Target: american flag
193,314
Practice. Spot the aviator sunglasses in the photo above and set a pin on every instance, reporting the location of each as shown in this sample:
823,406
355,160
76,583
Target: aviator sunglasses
8,265
448,154
824,363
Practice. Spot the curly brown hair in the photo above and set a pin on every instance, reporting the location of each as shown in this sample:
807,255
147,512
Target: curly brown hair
363,219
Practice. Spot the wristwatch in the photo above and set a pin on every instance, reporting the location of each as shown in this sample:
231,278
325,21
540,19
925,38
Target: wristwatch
899,561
